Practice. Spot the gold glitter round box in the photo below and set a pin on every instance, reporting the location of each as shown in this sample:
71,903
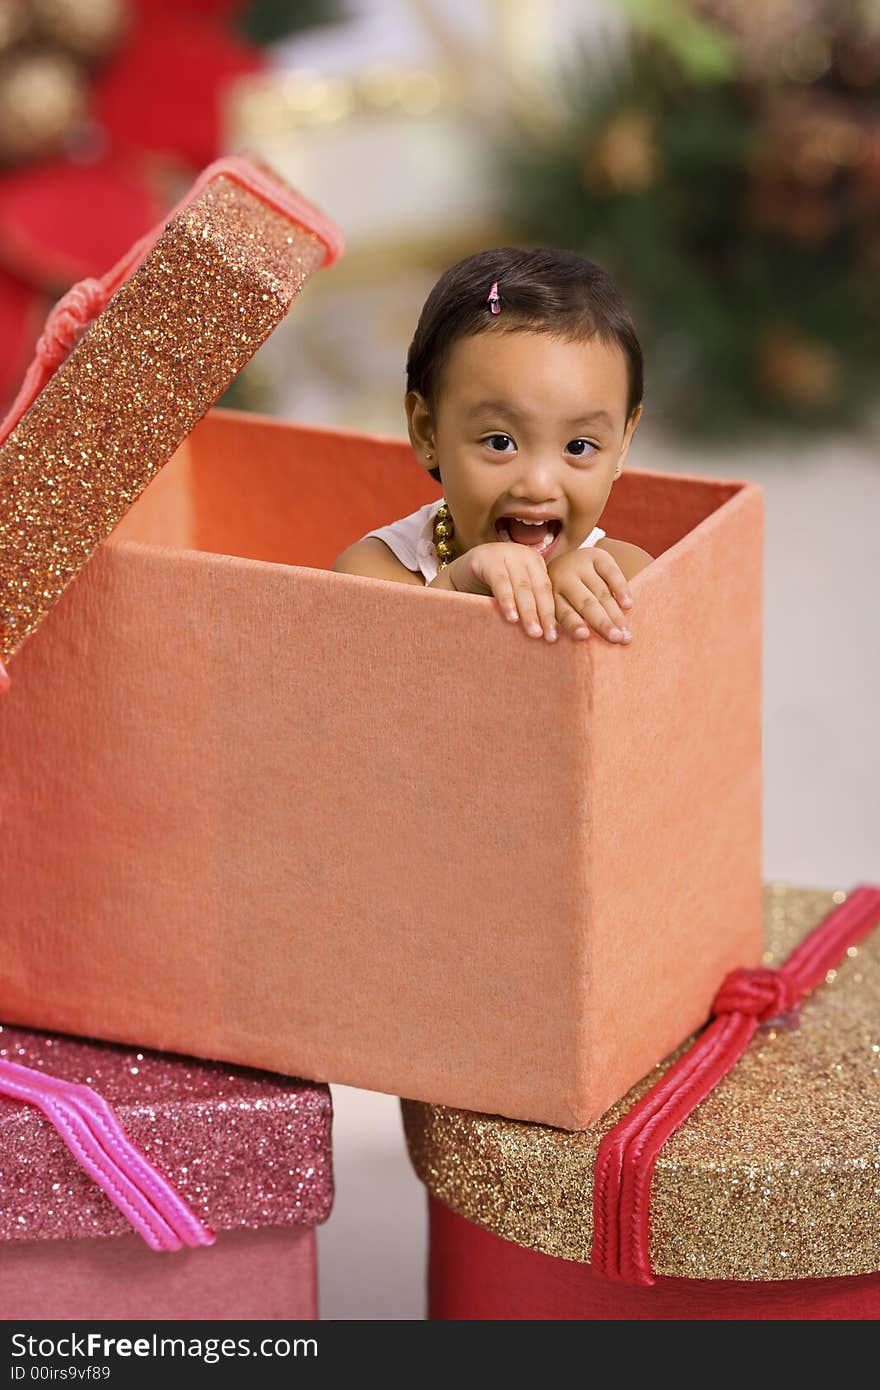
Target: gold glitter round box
340,828
249,1152
764,1204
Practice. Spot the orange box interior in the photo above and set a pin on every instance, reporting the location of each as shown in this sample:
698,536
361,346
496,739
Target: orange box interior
266,489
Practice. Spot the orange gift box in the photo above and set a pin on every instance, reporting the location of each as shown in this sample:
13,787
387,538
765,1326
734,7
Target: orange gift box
259,811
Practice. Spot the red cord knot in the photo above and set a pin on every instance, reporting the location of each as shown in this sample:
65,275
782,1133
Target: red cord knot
763,994
70,317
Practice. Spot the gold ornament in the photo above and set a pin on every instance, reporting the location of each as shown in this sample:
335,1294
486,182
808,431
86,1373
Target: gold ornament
87,28
15,23
807,374
625,154
42,96
444,530
806,170
776,1175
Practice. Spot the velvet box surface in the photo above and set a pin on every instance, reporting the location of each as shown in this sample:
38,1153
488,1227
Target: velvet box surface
368,832
764,1204
248,1151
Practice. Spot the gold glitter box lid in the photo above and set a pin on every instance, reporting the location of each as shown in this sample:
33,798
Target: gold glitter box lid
776,1175
178,330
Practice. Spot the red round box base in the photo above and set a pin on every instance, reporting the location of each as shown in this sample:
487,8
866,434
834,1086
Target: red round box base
476,1275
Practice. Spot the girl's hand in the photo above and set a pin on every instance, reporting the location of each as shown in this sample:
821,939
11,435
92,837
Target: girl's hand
591,592
517,577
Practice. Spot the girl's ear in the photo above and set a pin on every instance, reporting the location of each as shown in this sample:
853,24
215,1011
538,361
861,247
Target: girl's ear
421,429
631,426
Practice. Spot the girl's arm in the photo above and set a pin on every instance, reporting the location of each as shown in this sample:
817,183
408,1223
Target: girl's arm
631,558
373,559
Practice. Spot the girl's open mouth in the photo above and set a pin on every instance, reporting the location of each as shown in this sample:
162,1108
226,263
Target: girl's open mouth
541,535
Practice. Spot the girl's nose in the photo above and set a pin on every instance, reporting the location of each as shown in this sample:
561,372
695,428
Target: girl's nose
537,482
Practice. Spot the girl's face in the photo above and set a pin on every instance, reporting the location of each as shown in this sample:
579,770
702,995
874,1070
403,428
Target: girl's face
526,426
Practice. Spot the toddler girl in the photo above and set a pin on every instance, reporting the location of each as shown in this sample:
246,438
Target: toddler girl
524,388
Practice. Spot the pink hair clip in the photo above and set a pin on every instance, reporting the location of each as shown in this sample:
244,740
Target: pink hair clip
494,299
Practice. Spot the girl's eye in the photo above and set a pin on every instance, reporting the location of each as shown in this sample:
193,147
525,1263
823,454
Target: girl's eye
581,448
501,443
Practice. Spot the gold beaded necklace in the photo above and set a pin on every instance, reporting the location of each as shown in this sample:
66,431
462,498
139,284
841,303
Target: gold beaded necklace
444,530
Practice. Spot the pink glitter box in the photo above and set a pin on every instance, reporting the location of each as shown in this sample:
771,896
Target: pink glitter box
249,1151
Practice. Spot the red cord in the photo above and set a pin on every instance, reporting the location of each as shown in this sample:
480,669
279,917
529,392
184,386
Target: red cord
627,1154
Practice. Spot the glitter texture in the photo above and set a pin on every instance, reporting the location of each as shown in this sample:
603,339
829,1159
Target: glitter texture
178,331
776,1175
245,1148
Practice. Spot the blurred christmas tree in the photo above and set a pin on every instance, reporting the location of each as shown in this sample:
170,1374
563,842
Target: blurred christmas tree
267,21
727,169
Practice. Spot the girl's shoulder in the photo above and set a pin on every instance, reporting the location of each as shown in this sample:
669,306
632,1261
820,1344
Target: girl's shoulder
401,550
373,559
631,558
391,552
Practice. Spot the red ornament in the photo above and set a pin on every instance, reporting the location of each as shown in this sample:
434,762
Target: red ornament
156,113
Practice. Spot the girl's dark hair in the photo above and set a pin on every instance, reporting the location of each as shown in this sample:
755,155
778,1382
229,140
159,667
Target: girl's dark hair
545,291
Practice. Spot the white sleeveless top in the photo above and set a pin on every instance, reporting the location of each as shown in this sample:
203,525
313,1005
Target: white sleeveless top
412,539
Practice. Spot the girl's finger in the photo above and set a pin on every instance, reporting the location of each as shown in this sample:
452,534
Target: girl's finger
614,577
524,582
503,590
595,586
545,600
611,624
596,614
601,620
570,619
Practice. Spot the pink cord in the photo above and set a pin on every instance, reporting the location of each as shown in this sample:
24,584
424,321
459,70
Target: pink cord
99,1144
